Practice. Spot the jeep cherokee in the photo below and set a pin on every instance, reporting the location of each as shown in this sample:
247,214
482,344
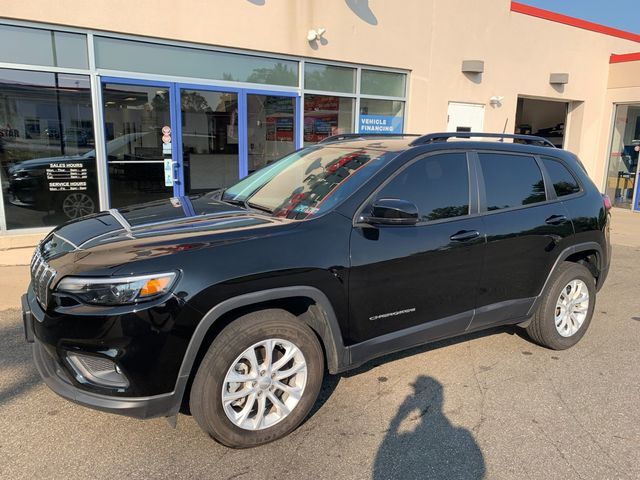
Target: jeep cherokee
232,304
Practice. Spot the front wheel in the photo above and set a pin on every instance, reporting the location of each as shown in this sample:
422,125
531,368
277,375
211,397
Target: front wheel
258,380
565,309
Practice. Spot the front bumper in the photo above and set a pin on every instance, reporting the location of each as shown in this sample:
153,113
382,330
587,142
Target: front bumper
57,378
139,407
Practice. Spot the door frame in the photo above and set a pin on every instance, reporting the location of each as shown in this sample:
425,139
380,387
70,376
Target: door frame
175,117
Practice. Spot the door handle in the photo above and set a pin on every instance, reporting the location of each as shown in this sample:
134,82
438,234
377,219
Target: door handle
556,219
464,235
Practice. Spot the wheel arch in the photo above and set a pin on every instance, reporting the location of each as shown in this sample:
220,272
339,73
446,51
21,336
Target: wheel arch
575,253
319,316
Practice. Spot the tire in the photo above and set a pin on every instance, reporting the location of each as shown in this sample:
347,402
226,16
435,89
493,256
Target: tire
229,350
568,279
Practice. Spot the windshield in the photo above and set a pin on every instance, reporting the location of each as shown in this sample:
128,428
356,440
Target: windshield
309,181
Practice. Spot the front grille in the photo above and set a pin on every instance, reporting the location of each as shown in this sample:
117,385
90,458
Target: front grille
41,277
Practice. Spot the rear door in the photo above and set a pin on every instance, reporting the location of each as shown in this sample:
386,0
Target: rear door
526,225
423,275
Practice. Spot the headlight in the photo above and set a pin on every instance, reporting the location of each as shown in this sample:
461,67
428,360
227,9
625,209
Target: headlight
117,290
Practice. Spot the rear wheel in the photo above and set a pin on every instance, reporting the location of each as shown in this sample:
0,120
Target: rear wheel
258,380
565,309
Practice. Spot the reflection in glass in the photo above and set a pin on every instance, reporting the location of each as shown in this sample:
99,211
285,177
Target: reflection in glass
437,185
209,139
47,155
511,180
389,84
132,56
308,182
134,116
325,116
43,47
271,128
329,78
623,156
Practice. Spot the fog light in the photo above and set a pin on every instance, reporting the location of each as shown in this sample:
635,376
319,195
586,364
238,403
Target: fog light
97,371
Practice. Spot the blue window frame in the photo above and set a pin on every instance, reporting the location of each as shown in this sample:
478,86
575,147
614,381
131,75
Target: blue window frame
175,89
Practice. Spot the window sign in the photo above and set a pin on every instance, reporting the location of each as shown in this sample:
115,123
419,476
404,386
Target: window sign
380,124
168,172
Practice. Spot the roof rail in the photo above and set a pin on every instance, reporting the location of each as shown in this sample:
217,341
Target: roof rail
363,136
444,136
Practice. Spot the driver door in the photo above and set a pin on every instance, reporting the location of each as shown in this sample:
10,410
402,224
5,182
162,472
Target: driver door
419,282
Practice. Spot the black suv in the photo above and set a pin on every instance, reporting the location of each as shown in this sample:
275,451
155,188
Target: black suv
232,304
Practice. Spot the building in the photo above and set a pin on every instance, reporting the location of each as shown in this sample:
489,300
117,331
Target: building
114,102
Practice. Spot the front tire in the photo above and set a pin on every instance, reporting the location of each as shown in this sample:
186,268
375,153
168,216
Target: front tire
258,380
566,308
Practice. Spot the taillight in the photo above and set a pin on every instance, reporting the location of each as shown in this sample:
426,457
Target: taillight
607,202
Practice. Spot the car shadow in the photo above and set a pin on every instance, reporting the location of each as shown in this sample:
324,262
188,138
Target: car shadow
510,329
421,443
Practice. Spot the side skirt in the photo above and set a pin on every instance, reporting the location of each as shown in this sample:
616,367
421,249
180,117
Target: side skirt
503,313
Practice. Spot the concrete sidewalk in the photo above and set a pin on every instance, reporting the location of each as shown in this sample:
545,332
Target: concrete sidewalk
14,271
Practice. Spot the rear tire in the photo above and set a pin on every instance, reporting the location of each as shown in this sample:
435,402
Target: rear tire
565,309
238,368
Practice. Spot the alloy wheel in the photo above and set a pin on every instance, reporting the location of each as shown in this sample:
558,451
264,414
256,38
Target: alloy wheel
264,384
76,205
571,308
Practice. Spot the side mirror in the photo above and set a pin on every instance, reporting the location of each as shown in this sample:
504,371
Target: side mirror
391,211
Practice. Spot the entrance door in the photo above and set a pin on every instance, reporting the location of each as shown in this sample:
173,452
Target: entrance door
210,140
138,125
465,117
169,139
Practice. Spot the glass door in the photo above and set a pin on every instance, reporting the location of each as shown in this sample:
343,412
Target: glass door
272,127
170,139
210,140
138,132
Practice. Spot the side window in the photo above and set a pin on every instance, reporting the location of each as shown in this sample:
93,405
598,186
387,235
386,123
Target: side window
564,183
511,180
438,185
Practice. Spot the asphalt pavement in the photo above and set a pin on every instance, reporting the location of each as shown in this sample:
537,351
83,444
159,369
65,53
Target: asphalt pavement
490,405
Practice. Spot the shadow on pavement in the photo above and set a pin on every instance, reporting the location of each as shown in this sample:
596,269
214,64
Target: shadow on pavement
17,372
422,444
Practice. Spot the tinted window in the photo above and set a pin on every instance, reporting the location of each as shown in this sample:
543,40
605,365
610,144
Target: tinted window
563,182
438,185
511,180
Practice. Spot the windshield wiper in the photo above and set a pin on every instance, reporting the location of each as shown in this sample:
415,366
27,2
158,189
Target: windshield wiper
259,207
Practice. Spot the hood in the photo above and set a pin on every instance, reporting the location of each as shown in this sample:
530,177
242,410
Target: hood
110,239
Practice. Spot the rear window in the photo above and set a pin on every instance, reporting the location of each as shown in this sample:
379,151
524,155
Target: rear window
564,183
511,180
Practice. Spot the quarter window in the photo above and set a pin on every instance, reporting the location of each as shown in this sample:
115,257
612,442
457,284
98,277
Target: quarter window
438,185
564,183
511,180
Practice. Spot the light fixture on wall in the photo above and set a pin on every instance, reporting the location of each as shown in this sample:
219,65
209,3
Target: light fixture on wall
315,35
496,101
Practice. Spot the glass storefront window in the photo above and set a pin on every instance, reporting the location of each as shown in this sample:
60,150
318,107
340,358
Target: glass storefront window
131,56
209,139
271,128
329,78
388,84
134,117
623,156
43,47
381,116
47,152
326,115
